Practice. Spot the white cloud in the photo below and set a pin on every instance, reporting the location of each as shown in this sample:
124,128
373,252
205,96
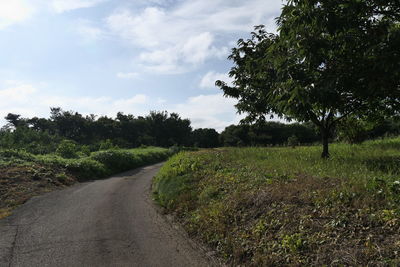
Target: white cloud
28,100
61,6
18,93
181,57
209,111
137,99
208,80
14,11
98,105
161,100
127,75
186,34
87,31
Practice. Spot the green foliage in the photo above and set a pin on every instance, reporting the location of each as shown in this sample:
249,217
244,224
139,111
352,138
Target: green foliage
43,136
280,206
106,145
312,71
293,242
293,141
172,181
354,130
62,177
98,165
29,140
85,150
205,138
118,159
268,134
16,154
67,149
86,169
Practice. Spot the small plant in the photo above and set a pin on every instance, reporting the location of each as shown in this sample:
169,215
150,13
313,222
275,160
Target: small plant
62,177
293,243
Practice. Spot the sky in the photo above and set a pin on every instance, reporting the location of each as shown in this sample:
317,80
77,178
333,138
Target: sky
105,56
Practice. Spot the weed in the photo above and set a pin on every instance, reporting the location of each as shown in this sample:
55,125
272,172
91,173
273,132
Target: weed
293,243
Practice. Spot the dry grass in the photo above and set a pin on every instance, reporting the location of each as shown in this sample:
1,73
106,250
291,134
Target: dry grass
21,182
5,213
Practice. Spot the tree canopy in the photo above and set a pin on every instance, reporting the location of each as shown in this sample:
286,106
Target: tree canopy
156,129
329,60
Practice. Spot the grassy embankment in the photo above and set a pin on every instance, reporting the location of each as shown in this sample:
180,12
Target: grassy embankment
23,175
284,206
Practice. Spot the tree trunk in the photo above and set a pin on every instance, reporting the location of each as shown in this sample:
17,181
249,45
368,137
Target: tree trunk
325,143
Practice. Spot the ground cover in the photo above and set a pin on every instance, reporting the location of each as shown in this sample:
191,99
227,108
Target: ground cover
284,206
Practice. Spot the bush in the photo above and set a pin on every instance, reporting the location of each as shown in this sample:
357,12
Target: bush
16,154
118,160
101,164
87,168
123,160
106,145
67,149
85,150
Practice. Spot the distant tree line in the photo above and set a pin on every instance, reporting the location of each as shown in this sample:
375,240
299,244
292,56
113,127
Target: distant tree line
124,131
352,131
268,134
92,133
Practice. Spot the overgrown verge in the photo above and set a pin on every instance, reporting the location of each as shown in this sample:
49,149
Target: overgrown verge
283,206
24,175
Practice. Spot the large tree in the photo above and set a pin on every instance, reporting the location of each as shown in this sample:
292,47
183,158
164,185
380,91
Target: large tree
330,59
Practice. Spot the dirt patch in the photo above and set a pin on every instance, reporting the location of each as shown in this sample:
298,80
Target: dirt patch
19,183
302,221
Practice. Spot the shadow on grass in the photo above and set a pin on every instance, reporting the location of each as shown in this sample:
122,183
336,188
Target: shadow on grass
386,164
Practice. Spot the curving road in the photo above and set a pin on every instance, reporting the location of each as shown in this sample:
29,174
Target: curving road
108,222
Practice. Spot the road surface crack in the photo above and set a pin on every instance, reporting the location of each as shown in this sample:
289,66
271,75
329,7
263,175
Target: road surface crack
13,246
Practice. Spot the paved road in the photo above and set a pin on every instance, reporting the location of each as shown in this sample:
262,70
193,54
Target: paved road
104,223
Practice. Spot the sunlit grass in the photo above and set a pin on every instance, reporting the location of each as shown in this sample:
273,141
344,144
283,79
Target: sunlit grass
272,206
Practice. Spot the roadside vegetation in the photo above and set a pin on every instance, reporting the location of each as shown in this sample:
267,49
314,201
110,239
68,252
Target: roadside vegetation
23,175
285,206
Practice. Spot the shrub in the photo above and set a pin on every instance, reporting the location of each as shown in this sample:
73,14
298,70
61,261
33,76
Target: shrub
117,160
67,149
16,154
85,150
106,145
87,168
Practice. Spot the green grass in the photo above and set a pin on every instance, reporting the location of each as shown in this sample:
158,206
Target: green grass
284,206
97,165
